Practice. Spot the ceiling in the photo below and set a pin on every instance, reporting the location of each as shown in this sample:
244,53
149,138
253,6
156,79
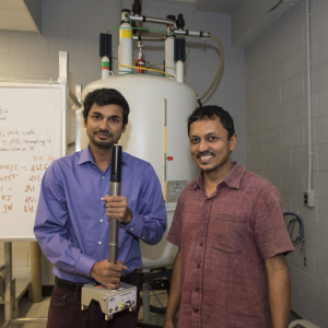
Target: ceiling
20,15
25,15
249,18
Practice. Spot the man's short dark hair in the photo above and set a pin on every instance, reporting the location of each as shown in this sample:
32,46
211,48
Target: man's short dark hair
212,112
103,97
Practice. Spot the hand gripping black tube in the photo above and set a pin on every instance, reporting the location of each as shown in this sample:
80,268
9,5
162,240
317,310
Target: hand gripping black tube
115,183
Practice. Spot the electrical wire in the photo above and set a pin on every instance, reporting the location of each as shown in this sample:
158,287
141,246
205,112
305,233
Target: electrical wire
157,297
145,69
134,73
157,64
219,69
291,225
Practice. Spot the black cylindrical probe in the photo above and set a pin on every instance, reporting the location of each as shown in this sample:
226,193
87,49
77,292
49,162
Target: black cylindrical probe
115,183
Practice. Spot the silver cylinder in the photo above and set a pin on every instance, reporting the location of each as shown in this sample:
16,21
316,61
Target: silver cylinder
113,227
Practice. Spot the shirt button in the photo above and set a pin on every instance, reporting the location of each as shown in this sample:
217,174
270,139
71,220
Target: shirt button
196,310
143,237
201,243
197,289
204,222
103,178
198,265
99,242
101,220
131,229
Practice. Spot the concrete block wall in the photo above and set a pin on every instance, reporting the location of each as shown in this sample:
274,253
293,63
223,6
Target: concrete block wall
277,139
74,26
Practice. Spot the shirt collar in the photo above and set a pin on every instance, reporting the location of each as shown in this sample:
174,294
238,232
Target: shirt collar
86,157
232,180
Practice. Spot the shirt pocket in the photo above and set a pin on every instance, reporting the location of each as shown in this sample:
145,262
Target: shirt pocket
225,231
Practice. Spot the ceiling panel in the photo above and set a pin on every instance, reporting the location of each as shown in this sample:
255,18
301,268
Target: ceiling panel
15,16
12,4
16,20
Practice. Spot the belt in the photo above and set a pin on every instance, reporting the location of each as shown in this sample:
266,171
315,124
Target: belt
75,287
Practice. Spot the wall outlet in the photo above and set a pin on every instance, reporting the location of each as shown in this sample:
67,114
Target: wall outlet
308,198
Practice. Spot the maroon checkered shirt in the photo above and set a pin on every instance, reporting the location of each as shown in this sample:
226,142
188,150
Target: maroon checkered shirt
224,240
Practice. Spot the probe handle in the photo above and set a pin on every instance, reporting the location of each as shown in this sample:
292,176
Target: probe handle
115,184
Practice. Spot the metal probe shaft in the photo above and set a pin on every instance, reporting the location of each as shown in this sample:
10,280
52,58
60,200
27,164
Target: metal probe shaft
115,184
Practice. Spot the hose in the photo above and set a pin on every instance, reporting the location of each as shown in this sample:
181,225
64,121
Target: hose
291,225
219,69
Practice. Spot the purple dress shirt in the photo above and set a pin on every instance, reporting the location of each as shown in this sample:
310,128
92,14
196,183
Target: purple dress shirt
71,225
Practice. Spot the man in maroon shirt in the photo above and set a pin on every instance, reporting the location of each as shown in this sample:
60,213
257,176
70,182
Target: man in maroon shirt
230,270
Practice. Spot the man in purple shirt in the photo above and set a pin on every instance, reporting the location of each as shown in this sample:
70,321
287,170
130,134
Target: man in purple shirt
72,217
230,270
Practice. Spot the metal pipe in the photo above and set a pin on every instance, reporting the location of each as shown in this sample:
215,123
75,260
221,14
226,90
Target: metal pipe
193,33
149,38
9,297
309,87
73,97
31,81
115,183
78,118
155,20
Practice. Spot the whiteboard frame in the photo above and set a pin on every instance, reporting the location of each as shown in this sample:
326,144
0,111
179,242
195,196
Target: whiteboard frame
63,126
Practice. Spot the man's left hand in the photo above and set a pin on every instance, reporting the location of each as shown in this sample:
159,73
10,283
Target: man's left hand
117,208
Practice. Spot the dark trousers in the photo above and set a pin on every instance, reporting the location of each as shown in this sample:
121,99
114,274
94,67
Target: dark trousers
65,312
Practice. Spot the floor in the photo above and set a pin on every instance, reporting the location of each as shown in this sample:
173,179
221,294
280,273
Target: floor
40,310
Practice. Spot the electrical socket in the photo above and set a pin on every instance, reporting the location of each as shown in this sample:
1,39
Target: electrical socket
308,198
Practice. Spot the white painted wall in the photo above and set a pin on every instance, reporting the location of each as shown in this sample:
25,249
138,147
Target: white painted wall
74,26
276,125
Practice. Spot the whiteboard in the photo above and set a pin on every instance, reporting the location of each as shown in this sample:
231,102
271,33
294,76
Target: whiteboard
32,135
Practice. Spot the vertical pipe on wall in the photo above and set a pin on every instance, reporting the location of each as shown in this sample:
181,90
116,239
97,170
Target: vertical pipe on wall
8,297
309,90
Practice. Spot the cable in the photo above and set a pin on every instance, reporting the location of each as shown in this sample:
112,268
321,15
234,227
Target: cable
157,64
219,69
145,69
157,297
199,102
291,225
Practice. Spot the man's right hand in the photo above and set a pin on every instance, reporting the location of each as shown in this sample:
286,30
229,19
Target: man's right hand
107,274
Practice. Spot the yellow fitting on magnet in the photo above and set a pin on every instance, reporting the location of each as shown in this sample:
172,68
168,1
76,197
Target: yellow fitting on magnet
125,34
